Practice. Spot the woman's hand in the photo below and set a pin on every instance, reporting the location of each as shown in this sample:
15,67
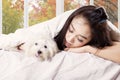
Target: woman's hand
83,49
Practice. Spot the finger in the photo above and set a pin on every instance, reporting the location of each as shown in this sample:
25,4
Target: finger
66,49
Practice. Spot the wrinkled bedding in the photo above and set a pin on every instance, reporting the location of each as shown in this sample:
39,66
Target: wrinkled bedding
64,66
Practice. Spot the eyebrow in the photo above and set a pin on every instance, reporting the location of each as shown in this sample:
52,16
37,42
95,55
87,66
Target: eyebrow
79,34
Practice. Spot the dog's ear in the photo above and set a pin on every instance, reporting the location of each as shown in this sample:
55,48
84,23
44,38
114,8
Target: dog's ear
51,52
53,48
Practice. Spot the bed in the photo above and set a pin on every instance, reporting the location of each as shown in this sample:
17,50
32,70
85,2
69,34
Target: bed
64,65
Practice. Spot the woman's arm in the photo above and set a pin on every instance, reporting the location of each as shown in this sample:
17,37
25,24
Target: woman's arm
110,53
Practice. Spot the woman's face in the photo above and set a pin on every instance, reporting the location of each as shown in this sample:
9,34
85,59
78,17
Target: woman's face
78,33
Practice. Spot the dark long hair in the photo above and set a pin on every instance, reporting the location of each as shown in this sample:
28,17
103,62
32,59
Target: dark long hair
96,17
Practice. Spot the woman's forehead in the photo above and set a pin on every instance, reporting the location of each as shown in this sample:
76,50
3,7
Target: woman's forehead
80,20
81,26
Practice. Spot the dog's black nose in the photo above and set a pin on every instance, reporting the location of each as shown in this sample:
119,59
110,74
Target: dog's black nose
39,52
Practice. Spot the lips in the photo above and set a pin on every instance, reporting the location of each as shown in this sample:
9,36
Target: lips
67,44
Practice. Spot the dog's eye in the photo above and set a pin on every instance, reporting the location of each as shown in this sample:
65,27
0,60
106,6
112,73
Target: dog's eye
36,43
45,46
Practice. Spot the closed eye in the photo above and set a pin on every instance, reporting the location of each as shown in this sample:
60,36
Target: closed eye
80,40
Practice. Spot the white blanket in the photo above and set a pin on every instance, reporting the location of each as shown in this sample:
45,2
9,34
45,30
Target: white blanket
64,66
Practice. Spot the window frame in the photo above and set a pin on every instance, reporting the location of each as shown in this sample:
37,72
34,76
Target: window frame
26,14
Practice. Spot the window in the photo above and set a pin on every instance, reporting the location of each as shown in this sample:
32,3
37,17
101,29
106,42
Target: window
23,13
12,15
16,14
72,4
41,10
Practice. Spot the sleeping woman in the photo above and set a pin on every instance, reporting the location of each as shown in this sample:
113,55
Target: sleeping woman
86,30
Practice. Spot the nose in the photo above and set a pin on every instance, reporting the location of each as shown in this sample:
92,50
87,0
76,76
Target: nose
39,52
71,38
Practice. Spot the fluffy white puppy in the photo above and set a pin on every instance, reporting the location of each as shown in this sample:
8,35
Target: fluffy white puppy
44,48
39,45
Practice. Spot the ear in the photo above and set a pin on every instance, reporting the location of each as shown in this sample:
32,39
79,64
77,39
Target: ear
45,56
55,49
51,52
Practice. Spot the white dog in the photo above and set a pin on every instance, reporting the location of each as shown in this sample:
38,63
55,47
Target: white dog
41,46
44,48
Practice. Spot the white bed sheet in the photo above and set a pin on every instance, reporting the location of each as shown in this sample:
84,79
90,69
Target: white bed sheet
64,66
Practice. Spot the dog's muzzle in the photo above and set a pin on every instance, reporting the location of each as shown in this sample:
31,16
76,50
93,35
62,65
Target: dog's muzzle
39,52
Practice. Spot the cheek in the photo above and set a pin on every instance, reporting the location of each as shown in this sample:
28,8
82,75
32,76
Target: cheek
84,43
78,44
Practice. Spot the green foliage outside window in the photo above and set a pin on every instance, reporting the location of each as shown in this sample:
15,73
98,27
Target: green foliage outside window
44,11
12,17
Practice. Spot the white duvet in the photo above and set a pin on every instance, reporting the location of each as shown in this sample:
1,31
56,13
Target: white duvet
64,66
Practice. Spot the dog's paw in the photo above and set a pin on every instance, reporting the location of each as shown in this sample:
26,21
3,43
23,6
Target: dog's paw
15,43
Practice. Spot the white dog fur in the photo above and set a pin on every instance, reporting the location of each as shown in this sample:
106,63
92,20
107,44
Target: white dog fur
44,48
41,46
